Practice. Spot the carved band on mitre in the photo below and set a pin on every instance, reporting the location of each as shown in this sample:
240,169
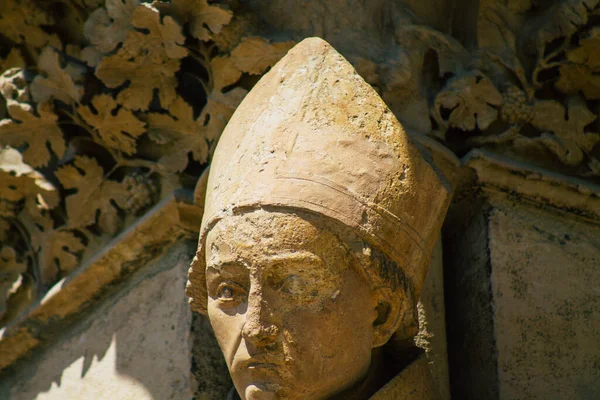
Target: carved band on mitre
313,135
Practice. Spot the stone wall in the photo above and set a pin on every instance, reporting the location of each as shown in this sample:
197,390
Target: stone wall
134,344
546,303
521,261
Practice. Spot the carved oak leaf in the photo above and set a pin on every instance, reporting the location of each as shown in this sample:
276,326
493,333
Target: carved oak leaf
148,61
57,249
40,132
561,19
106,27
255,54
582,71
94,195
19,181
224,73
204,19
469,101
91,56
184,134
220,106
58,83
10,273
118,130
181,132
20,22
496,29
565,135
14,59
594,166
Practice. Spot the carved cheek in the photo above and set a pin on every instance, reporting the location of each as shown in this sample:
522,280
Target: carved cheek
228,330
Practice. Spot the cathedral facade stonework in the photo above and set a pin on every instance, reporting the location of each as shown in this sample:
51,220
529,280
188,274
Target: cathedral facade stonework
111,112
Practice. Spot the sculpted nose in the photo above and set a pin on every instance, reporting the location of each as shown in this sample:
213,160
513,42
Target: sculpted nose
258,327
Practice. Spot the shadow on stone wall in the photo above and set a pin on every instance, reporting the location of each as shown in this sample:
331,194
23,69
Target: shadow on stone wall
134,343
208,366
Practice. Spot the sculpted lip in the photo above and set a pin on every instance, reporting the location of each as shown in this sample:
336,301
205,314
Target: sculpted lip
258,363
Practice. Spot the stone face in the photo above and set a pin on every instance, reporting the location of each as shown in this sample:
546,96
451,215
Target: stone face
134,345
545,274
313,135
320,217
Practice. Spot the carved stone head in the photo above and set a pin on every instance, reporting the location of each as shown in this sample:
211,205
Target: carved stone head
320,217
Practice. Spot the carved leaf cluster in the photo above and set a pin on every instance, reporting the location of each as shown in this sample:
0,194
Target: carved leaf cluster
116,127
156,53
97,126
204,19
529,90
56,82
37,128
564,127
581,71
470,101
21,22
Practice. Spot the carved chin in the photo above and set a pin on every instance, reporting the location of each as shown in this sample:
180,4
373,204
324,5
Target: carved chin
260,382
262,391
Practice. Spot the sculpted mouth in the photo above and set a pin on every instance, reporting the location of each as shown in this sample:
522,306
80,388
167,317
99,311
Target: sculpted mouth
260,365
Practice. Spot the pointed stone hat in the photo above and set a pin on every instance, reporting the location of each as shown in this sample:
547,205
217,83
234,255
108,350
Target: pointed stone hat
313,135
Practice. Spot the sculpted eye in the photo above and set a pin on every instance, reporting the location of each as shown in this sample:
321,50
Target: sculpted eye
230,294
292,284
298,288
226,293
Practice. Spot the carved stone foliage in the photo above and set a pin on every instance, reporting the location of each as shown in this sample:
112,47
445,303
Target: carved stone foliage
541,58
105,108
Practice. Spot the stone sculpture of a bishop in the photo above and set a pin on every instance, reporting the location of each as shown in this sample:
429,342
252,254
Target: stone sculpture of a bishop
320,217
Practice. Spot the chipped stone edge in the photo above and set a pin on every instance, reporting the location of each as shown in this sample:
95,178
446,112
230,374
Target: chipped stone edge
540,186
173,219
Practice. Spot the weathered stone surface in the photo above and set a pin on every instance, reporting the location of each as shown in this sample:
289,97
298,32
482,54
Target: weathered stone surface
208,365
168,222
522,264
134,345
432,324
413,383
545,274
471,340
373,179
519,78
315,238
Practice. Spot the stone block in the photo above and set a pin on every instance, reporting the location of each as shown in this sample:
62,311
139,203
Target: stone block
523,302
544,281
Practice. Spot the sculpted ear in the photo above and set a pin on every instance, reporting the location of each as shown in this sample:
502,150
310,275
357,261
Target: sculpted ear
390,309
